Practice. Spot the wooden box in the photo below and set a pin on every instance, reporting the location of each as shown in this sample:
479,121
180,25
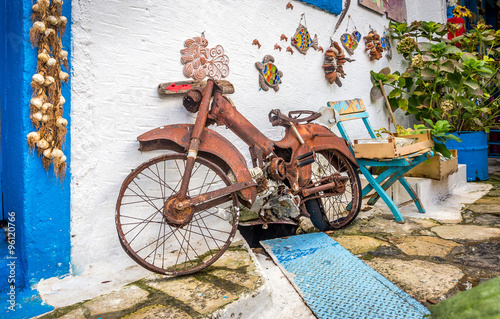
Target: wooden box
392,146
436,169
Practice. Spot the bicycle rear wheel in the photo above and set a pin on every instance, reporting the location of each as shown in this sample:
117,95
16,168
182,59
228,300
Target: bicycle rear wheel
334,211
165,247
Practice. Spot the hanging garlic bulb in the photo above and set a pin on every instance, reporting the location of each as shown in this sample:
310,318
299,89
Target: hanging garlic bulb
51,62
37,116
36,7
44,2
36,102
47,153
63,76
33,138
49,81
57,2
63,54
61,122
44,57
52,20
38,79
63,159
62,21
45,118
57,153
62,100
39,27
49,32
46,106
42,144
49,138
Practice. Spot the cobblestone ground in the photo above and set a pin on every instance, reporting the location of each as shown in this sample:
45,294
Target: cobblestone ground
429,260
197,296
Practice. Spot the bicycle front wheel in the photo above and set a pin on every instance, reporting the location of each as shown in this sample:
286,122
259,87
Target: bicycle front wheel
156,243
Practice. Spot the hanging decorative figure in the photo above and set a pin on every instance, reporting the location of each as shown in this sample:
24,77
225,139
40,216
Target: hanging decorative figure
269,76
200,61
302,39
350,40
334,63
373,45
386,45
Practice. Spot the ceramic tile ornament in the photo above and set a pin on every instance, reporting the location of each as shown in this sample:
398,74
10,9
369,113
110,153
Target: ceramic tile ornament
334,63
302,38
395,9
269,76
386,45
350,40
200,61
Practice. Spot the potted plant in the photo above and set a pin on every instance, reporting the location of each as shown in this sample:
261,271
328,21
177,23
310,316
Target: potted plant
448,80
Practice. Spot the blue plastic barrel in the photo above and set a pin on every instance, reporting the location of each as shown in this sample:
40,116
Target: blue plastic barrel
473,152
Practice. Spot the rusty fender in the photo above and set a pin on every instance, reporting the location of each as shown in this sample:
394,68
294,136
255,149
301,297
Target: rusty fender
319,138
214,147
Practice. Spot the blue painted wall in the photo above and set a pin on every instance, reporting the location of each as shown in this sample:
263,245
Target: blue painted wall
332,6
40,201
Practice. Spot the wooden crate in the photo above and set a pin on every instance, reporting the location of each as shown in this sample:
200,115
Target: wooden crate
388,148
436,169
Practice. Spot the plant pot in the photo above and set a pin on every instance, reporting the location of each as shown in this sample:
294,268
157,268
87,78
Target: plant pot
473,152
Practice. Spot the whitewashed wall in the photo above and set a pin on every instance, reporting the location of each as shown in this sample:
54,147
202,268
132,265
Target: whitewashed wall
123,49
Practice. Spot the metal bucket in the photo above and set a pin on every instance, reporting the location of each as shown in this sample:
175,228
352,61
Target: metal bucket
473,152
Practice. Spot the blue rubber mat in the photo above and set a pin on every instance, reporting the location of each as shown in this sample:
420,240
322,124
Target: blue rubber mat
336,284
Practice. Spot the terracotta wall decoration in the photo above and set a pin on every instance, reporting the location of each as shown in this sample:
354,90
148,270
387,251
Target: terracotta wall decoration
302,38
373,45
334,63
289,6
277,47
332,6
395,9
269,75
386,44
256,42
200,61
46,109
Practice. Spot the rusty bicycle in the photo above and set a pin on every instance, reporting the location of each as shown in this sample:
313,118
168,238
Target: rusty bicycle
178,213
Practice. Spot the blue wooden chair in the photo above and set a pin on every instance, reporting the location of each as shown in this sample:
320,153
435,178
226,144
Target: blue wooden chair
397,166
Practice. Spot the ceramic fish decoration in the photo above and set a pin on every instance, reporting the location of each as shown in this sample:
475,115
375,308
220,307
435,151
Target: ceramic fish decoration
269,76
302,40
349,42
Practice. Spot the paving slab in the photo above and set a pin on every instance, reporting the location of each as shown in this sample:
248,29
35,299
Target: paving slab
158,312
359,244
74,314
466,232
202,296
420,279
381,225
482,255
426,246
240,278
119,300
234,259
486,205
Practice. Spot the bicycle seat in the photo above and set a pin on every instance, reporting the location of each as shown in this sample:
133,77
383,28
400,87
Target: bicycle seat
279,119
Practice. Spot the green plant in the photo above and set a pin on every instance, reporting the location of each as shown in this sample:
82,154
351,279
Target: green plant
443,81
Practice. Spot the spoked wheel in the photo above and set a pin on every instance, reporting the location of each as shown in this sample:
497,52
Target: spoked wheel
144,216
335,211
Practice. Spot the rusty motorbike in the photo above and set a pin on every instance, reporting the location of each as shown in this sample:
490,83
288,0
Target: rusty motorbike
178,213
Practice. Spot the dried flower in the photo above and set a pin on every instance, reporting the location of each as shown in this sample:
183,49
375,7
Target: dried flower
407,45
417,62
447,105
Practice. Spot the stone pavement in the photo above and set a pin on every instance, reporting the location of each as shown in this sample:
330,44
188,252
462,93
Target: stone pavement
430,260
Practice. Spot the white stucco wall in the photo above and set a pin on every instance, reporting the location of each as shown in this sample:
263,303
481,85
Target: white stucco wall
123,49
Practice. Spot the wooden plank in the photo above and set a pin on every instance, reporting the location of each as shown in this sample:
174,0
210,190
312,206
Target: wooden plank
181,87
348,106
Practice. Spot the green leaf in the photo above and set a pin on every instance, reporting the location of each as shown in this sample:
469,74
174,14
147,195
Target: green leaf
403,104
472,84
429,57
448,66
385,71
428,73
424,46
478,122
394,93
441,148
467,56
375,93
451,49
